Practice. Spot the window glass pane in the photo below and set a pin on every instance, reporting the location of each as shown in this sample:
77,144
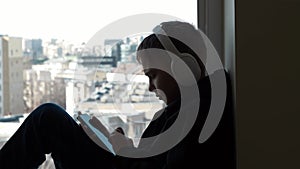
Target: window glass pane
54,30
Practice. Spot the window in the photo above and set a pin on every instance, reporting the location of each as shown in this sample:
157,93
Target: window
96,18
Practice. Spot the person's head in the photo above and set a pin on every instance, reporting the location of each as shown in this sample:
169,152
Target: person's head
159,65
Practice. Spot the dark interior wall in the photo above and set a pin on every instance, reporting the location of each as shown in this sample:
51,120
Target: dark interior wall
268,83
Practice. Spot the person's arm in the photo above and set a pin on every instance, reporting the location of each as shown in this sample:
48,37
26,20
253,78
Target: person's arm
124,145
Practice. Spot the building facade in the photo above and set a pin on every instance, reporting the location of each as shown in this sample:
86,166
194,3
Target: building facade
11,76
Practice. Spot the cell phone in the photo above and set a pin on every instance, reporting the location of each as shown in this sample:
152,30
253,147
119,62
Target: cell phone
84,119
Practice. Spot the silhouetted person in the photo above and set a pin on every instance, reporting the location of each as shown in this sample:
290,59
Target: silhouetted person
175,72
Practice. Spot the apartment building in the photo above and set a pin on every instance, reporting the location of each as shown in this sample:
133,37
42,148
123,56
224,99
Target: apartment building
42,85
11,76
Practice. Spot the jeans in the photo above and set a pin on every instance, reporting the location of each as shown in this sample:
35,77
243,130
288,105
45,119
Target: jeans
50,129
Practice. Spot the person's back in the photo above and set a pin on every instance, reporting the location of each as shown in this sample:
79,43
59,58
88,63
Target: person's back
216,152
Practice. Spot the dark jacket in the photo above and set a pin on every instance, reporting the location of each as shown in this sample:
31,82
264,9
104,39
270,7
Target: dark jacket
217,152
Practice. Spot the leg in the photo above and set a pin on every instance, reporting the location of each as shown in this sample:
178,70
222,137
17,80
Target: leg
49,129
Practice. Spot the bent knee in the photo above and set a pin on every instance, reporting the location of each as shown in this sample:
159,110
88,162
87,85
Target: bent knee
50,109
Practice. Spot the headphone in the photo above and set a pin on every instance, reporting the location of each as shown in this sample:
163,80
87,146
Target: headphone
181,74
179,71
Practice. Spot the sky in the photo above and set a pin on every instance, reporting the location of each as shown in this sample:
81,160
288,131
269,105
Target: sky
78,20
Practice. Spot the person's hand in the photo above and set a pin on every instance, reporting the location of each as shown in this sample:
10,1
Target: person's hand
117,138
97,124
91,134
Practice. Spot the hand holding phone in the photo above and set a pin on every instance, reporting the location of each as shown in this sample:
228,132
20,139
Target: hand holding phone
101,136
